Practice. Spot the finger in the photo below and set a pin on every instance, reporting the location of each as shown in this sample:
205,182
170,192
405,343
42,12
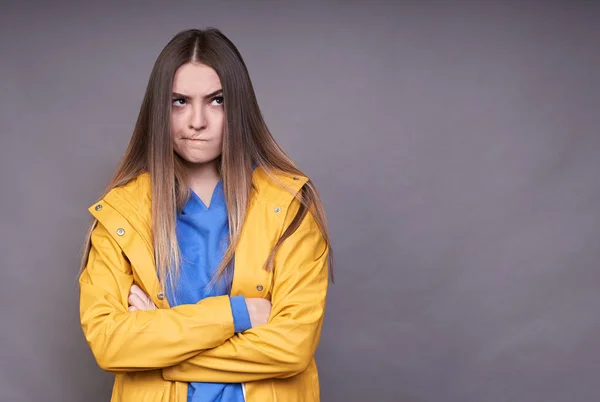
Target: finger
132,308
141,294
135,289
136,301
131,299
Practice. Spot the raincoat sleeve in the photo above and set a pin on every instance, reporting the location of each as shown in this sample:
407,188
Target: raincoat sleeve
284,346
141,340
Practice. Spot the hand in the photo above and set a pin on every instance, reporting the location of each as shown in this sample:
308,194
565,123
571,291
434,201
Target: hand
259,310
138,300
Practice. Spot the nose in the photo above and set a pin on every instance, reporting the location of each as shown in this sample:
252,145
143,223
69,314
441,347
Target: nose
197,118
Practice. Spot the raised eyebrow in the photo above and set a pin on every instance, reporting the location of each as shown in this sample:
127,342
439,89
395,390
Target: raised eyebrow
176,95
189,98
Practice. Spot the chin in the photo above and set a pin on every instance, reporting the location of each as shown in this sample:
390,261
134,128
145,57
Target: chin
200,160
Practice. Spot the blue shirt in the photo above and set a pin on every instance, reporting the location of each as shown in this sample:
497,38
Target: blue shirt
203,236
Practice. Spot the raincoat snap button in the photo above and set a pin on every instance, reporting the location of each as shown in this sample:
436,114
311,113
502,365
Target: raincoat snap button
120,231
259,287
277,210
160,295
98,207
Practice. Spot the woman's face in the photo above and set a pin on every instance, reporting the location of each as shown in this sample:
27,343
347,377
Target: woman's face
197,113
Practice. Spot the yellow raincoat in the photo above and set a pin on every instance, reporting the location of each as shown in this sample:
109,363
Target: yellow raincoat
155,353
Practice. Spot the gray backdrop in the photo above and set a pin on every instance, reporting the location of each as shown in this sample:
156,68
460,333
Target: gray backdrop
455,144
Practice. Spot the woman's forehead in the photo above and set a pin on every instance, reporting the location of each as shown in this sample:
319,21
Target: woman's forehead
196,78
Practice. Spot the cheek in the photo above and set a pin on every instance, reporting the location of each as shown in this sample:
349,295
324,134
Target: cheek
175,134
220,124
176,124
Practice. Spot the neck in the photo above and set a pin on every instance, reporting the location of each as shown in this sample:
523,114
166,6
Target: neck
202,175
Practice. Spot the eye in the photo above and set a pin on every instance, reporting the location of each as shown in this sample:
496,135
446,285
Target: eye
180,100
217,100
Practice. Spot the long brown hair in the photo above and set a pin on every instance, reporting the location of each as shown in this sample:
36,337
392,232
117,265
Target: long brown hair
246,142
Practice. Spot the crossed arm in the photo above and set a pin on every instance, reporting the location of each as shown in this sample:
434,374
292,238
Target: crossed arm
198,342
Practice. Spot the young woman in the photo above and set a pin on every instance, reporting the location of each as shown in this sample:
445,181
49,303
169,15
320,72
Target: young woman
205,271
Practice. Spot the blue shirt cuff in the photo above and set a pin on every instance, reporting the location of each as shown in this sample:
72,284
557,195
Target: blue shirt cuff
241,317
